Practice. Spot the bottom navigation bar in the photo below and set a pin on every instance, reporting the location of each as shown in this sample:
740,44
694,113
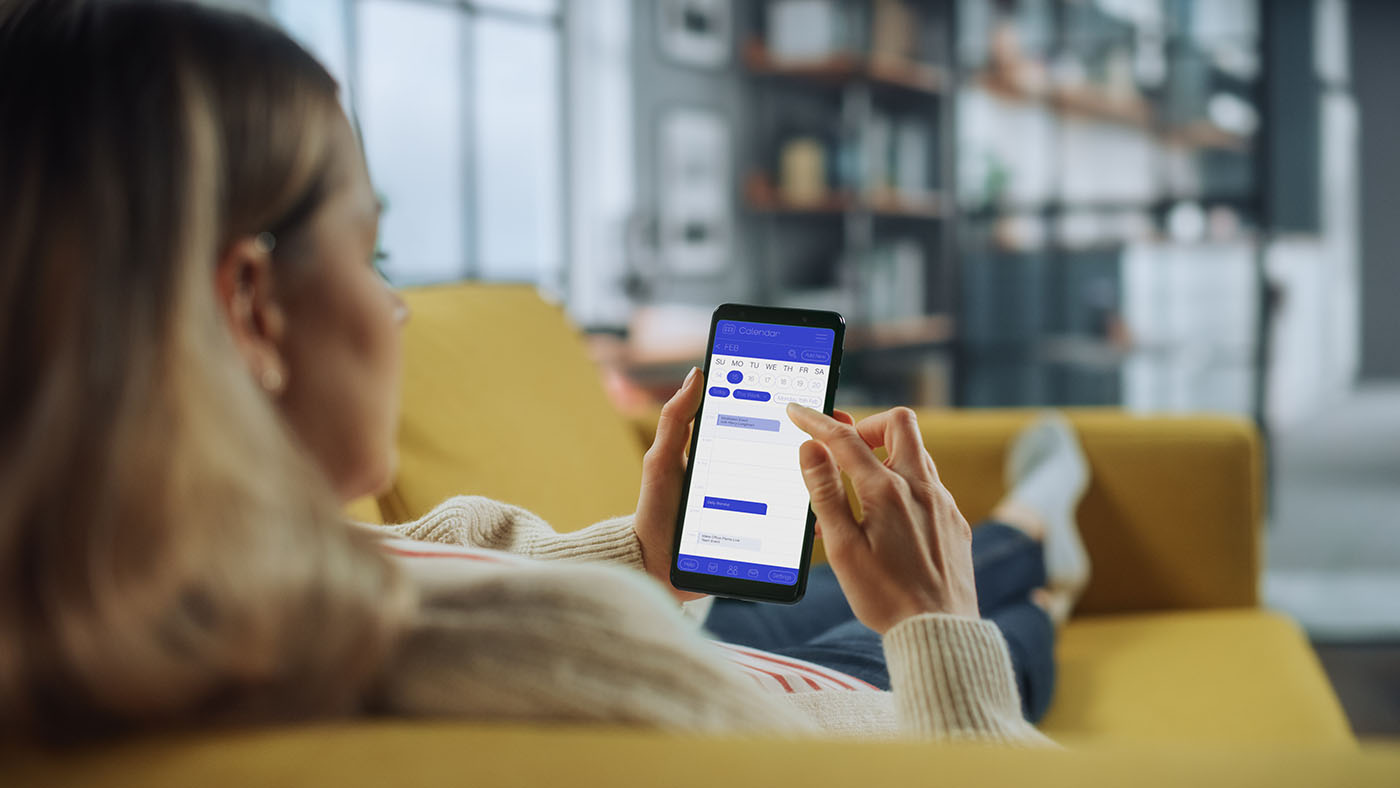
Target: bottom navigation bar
739,570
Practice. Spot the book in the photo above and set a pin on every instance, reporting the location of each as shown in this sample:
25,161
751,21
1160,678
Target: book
803,31
910,167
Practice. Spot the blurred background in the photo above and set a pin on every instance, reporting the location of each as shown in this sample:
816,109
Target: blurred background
1158,205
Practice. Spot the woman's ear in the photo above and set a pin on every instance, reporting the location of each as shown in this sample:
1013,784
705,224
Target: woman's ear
245,286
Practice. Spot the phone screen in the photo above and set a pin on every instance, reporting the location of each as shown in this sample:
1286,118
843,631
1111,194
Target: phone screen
745,514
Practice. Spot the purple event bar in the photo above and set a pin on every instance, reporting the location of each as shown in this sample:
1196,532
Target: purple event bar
735,505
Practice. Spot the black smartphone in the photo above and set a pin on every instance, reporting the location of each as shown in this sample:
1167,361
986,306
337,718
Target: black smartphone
745,524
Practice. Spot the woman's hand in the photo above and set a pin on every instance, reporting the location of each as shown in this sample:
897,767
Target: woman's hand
912,551
663,471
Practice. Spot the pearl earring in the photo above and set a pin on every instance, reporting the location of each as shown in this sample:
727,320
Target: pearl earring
272,380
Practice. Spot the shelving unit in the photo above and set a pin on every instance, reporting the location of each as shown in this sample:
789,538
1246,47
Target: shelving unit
1033,317
761,197
887,255
913,332
1078,101
1088,103
1204,135
842,69
1045,320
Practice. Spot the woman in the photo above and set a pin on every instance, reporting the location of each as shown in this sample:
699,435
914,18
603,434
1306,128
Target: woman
201,365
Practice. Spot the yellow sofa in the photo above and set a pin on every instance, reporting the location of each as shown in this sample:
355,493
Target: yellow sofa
500,399
1169,673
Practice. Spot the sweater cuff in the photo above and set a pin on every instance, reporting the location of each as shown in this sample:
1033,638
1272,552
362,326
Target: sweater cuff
952,678
614,541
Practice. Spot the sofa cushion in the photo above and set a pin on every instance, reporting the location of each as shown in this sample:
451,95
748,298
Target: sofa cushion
1222,676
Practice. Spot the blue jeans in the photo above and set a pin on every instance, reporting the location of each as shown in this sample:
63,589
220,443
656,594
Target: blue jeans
822,629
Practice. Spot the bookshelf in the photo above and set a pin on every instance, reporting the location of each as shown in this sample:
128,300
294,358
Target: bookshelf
906,333
762,197
863,183
1112,152
841,69
1207,136
849,181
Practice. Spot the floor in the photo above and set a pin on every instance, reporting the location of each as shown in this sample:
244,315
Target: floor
1366,677
1334,548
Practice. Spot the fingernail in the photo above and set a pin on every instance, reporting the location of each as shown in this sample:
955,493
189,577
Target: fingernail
795,407
691,375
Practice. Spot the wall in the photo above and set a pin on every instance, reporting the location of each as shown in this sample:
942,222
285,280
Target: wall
1315,263
599,112
660,84
260,7
1375,26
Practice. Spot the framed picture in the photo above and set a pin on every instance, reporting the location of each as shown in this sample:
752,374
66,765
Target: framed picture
696,226
695,32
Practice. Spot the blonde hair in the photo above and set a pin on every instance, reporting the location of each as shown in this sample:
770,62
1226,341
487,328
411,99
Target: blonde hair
167,550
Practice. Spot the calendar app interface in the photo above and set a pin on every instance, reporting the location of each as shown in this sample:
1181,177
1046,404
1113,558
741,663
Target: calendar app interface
746,511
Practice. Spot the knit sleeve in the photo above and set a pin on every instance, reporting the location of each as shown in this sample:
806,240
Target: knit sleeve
474,521
569,643
952,679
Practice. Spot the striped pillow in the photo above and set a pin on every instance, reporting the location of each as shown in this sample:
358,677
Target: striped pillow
772,672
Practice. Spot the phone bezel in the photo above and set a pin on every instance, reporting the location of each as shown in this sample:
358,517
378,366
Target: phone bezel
755,590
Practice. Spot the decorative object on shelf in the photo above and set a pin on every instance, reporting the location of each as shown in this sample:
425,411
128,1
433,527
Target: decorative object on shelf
1186,222
894,275
875,164
807,31
996,182
893,32
696,223
1009,68
696,33
802,179
911,148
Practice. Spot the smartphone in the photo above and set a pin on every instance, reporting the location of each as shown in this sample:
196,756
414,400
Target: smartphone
745,524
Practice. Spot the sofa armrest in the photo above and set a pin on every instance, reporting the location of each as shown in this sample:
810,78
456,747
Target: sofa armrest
1171,518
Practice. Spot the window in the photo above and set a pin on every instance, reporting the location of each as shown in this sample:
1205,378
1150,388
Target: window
460,108
518,152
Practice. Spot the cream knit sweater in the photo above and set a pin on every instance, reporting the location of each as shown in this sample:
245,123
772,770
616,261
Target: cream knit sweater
584,640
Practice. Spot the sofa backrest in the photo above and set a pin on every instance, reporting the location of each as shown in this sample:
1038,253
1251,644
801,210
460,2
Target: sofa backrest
500,399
